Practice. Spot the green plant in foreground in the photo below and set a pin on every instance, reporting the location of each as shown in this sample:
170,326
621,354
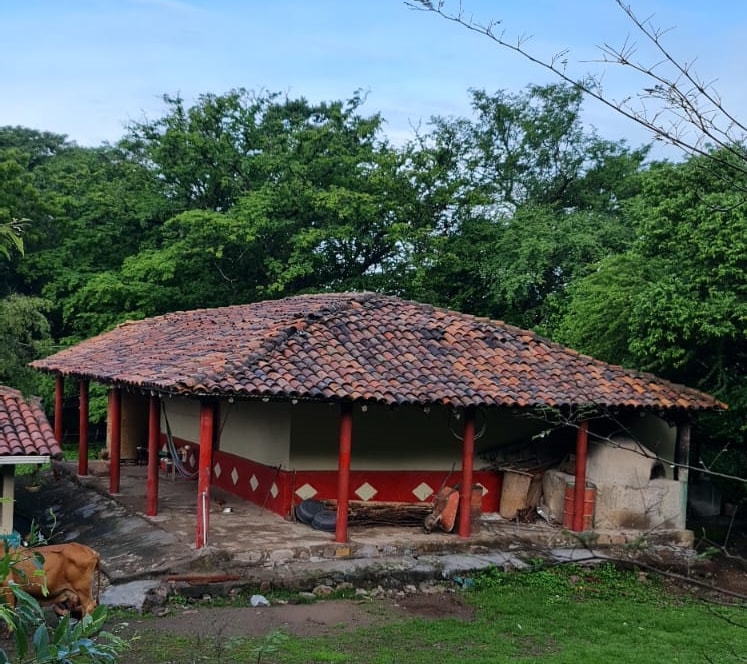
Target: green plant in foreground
272,643
35,642
67,643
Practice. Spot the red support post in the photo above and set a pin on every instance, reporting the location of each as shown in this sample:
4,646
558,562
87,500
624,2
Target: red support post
204,472
59,390
83,427
468,453
154,434
343,472
114,413
579,492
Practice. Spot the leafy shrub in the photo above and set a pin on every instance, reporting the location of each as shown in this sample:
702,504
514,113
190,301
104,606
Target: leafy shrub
35,642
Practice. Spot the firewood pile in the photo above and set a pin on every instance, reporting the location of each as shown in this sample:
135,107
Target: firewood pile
384,513
527,515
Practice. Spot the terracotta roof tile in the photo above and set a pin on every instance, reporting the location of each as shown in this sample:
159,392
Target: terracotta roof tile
24,429
359,346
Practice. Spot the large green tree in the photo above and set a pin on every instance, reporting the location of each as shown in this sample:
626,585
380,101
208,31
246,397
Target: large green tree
527,199
675,302
24,336
103,207
24,329
268,196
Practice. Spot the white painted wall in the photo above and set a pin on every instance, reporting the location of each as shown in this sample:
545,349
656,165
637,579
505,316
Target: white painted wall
257,430
305,436
250,429
622,461
659,436
183,416
382,438
404,438
653,506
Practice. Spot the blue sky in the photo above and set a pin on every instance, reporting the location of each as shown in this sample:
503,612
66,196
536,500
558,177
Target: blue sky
86,67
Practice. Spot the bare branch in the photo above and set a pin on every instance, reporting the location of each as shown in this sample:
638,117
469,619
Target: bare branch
692,116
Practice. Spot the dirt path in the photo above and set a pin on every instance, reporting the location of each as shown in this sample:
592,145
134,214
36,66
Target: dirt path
317,619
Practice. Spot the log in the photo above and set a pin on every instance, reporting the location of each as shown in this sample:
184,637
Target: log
203,578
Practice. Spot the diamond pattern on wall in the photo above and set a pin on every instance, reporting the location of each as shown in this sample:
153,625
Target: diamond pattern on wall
274,491
217,470
365,491
306,491
422,491
234,476
253,482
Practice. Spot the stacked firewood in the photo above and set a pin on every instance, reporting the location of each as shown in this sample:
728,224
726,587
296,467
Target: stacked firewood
384,513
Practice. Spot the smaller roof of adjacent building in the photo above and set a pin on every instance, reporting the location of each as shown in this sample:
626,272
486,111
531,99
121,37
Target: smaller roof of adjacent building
363,347
24,428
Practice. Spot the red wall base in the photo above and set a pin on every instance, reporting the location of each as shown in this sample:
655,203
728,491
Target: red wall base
279,490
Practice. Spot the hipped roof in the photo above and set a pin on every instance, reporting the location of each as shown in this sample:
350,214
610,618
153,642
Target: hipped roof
359,346
24,429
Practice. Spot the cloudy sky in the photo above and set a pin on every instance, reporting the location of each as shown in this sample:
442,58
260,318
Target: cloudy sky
86,67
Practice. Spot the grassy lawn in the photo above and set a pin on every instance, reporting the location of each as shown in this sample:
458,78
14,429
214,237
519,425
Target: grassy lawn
560,615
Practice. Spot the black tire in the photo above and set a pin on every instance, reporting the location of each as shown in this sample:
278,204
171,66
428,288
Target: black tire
325,520
306,510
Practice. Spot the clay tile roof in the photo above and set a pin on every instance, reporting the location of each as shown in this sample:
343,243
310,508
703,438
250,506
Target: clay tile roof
24,429
359,346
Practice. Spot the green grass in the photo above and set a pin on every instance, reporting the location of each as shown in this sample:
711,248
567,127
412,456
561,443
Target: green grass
561,615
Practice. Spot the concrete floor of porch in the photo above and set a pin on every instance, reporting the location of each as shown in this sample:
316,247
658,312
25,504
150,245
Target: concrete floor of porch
254,536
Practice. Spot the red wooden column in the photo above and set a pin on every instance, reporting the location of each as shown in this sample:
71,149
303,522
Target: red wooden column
468,454
83,427
154,434
579,492
204,471
114,413
343,472
59,390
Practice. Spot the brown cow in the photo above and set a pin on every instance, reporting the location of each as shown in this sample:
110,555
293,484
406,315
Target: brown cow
67,571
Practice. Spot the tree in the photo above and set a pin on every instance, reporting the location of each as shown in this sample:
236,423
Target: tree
206,156
525,198
268,197
102,208
19,200
39,146
673,103
11,238
21,205
675,302
24,336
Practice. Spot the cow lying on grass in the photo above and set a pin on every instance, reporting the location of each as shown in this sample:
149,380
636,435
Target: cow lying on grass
65,570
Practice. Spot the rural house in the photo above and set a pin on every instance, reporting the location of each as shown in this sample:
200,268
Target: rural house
360,396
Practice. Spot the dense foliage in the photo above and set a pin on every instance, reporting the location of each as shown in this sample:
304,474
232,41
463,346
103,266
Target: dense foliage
518,212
